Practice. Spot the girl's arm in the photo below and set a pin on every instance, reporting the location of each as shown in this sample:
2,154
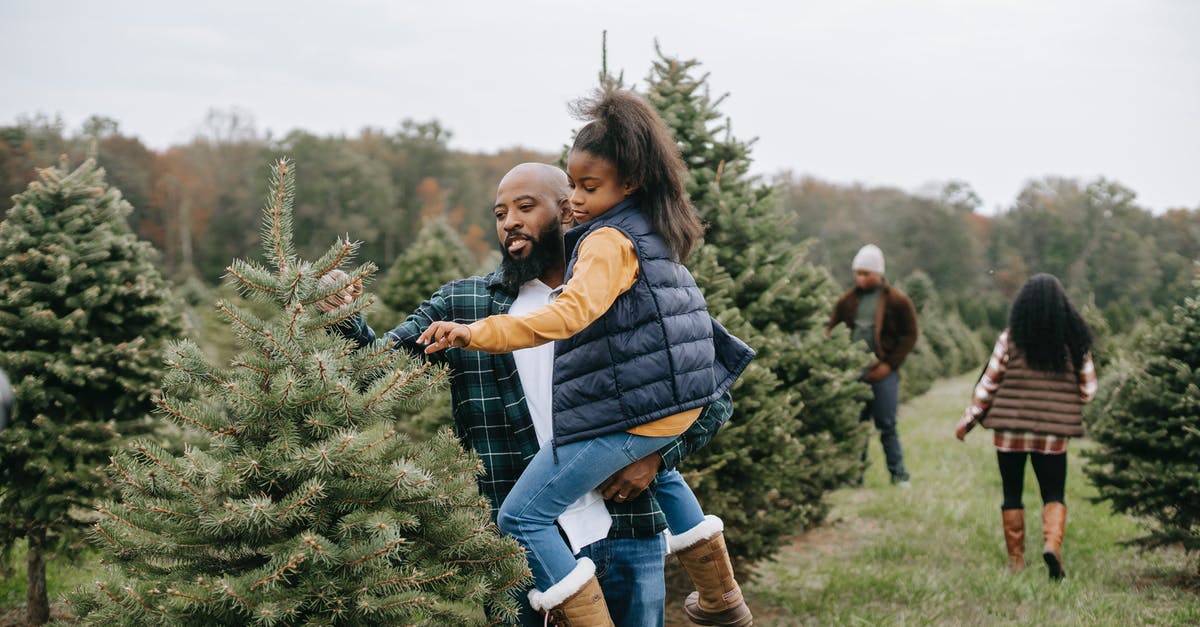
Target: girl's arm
606,267
1087,379
985,390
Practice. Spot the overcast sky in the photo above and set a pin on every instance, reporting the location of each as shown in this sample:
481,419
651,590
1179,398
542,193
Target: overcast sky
895,92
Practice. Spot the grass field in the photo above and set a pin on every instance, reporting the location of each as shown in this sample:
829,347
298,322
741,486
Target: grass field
929,555
934,554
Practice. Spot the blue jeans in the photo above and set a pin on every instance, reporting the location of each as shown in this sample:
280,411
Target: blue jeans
882,408
630,571
546,488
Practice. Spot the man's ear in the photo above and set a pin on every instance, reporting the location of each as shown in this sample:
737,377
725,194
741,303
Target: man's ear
564,211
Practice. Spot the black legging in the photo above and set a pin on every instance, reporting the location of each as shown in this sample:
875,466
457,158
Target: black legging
1051,471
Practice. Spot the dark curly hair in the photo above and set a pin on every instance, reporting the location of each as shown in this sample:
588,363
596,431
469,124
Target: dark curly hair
1046,326
624,129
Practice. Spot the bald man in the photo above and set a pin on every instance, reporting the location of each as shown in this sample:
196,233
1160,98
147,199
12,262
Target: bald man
502,402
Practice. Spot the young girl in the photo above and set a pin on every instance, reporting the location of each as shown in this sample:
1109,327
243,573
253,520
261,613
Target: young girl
1031,395
637,358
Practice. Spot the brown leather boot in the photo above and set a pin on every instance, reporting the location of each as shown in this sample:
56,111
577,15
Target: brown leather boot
718,598
1014,537
1054,526
576,601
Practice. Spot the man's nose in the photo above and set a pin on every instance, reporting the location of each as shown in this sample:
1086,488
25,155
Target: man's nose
512,222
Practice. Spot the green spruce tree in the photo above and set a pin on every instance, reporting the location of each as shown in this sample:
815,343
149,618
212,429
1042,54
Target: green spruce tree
437,257
946,347
83,314
793,436
1146,422
307,506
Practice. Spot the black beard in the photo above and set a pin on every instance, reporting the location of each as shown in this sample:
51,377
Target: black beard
544,252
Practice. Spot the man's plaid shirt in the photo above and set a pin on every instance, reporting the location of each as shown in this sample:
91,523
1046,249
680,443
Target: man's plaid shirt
490,414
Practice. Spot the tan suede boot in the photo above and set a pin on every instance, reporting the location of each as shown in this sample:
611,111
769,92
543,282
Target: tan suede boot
718,598
576,601
1014,538
1054,526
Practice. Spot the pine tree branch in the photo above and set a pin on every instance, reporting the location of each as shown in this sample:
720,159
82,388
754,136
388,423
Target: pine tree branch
366,302
115,599
228,590
347,249
276,214
346,404
128,478
294,286
394,581
292,564
297,311
304,501
128,523
100,530
418,600
313,543
315,399
386,548
242,364
490,560
141,448
182,417
133,593
321,370
224,308
250,284
287,390
271,336
162,510
387,436
233,387
174,592
446,575
525,575
396,381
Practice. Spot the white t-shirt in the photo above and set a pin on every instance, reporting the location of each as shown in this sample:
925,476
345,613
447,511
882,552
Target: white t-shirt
586,520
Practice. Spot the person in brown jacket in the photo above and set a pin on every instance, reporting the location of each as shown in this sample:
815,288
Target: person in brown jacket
884,319
1031,395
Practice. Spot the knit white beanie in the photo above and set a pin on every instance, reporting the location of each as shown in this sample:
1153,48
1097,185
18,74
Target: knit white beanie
869,258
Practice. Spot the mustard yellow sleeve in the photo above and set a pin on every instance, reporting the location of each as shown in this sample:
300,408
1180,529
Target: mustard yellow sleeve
606,267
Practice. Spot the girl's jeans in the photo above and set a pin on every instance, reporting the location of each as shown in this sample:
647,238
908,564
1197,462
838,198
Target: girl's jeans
546,488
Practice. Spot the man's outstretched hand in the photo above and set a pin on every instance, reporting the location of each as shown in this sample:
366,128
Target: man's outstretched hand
342,298
630,481
442,335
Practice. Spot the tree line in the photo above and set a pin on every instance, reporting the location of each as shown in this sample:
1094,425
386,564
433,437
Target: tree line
197,202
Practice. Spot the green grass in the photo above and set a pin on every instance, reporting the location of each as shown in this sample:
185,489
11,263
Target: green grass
62,576
935,554
930,555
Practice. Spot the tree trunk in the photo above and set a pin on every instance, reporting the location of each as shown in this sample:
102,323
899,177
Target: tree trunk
187,261
38,604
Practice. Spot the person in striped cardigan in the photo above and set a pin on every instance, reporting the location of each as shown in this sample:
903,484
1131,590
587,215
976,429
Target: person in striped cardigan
1031,396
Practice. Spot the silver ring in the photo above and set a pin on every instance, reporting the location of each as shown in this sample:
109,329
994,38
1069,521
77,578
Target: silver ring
621,496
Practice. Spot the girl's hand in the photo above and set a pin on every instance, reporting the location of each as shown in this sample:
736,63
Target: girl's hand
342,298
961,430
443,335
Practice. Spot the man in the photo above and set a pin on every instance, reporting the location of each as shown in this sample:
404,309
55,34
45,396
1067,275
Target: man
502,402
884,319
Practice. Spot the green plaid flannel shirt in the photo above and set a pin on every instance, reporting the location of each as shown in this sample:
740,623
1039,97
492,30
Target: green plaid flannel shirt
490,414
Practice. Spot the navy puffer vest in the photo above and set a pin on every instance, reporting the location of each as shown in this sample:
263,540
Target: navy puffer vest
655,353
